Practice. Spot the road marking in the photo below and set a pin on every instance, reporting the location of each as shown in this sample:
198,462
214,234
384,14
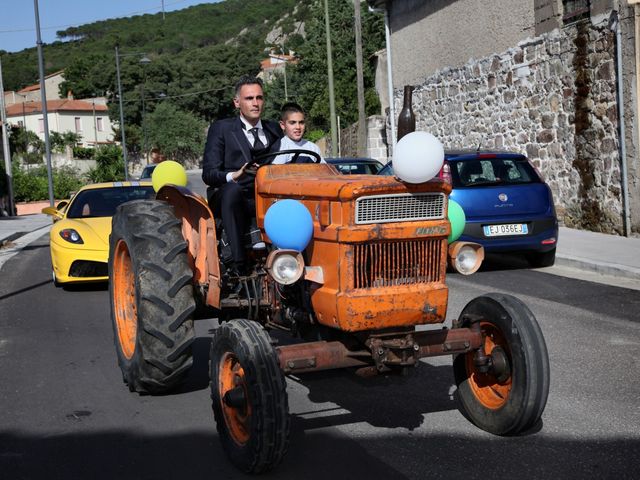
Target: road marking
18,244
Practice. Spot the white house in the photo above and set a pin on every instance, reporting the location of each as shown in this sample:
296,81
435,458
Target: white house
89,118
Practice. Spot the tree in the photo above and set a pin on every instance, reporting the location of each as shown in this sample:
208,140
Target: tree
308,79
178,134
59,141
26,144
109,165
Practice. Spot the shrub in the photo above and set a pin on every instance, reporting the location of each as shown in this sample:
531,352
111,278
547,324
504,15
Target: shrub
110,165
33,184
66,180
83,153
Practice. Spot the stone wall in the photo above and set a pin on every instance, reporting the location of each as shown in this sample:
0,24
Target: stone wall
553,97
376,139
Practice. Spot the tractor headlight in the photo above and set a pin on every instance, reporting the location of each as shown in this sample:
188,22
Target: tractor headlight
465,257
71,236
285,266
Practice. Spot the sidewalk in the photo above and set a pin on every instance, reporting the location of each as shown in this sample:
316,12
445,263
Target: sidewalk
12,228
579,249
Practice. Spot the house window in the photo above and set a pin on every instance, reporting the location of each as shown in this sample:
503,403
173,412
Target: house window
20,123
41,125
78,124
574,10
99,124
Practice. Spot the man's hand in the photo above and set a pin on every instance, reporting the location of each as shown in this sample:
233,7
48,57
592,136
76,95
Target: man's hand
235,176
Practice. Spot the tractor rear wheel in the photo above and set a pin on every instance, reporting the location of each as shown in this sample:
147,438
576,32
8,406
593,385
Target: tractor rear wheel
248,390
151,295
510,397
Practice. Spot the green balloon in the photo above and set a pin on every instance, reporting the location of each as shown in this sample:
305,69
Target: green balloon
457,219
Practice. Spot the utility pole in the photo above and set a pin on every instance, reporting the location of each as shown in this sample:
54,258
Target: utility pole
163,10
5,148
43,101
124,140
362,125
332,100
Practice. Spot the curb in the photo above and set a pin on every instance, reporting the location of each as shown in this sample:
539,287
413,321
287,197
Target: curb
611,269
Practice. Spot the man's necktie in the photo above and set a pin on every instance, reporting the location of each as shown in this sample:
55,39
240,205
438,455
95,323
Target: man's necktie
257,143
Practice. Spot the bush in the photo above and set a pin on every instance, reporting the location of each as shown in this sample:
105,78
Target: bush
66,180
110,165
33,185
83,153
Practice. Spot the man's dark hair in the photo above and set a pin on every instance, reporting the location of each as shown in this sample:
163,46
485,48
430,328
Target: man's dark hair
288,108
247,80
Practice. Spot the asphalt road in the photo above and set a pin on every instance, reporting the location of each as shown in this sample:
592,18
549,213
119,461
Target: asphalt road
65,413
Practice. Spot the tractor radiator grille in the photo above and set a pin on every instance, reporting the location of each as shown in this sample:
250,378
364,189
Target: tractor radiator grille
402,207
398,263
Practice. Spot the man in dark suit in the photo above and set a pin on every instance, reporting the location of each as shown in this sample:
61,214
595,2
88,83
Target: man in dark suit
228,166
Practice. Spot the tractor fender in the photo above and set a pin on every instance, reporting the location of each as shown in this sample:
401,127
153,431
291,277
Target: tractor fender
199,231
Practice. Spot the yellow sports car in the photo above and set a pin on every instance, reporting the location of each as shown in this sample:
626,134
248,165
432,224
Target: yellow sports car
79,237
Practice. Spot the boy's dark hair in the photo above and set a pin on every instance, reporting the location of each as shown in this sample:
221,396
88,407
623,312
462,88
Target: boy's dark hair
288,108
247,80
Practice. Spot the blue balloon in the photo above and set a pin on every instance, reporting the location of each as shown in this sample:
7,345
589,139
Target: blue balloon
289,225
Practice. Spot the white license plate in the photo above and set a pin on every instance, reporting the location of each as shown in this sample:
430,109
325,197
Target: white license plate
506,229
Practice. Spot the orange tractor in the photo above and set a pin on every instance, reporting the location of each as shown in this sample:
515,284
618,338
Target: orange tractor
372,273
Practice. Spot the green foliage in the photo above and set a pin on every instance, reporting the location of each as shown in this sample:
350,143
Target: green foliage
26,145
66,180
308,82
199,52
178,134
315,135
196,56
30,185
109,165
59,141
83,153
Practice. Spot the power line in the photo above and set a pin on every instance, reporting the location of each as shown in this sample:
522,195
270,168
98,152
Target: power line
167,97
158,9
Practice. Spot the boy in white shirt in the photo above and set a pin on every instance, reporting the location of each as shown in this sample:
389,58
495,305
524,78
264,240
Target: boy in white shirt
292,122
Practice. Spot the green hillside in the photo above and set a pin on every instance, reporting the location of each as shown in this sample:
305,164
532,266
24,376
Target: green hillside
201,26
196,54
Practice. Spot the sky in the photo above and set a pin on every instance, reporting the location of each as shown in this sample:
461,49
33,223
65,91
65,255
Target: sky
18,25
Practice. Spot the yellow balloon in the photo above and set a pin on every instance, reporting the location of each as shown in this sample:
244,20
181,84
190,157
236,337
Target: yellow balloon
168,172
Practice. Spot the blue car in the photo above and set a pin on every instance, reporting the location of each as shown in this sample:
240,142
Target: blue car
508,206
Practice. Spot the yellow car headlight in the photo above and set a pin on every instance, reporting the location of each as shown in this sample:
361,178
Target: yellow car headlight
71,236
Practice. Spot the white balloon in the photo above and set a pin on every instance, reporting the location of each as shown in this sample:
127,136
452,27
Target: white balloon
418,157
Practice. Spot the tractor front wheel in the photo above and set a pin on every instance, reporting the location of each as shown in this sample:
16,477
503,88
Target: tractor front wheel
248,391
508,395
151,294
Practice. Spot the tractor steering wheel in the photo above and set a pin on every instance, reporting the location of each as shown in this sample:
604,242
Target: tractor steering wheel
267,158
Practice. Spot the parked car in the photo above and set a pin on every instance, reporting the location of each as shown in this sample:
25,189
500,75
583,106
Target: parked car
147,171
79,238
356,165
507,204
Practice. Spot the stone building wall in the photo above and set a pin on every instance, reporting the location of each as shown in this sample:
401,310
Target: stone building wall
553,98
376,139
